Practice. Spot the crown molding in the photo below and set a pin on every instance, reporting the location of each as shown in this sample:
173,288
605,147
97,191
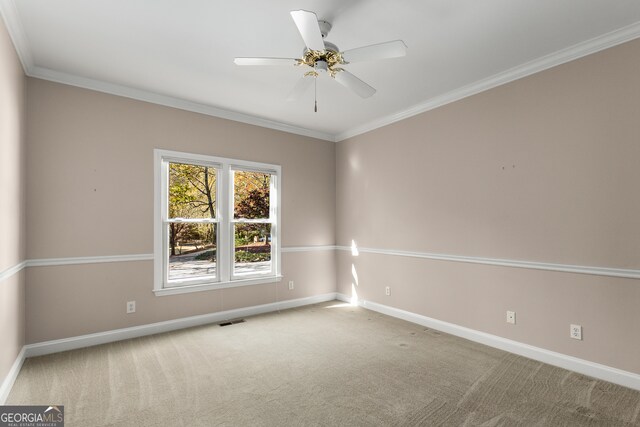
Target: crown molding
11,17
170,101
560,57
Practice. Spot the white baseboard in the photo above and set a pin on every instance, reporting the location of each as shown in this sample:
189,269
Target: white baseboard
596,370
7,384
55,346
592,369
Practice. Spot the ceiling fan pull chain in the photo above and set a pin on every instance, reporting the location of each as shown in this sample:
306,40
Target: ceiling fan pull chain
315,94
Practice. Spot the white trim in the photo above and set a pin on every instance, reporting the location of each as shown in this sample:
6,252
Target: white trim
170,101
225,170
565,268
596,44
225,239
274,212
10,379
82,341
45,262
595,370
554,59
276,209
236,283
309,248
592,369
159,176
11,17
5,274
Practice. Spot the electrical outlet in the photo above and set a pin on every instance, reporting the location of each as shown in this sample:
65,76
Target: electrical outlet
511,317
387,290
290,285
575,332
131,307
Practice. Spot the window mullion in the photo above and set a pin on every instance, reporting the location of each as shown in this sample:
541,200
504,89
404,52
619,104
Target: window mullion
164,214
273,218
223,206
231,247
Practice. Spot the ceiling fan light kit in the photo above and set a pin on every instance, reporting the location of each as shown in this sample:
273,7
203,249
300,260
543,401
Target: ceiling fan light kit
325,58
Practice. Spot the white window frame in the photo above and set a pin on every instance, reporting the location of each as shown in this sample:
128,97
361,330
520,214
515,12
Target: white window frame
225,221
273,189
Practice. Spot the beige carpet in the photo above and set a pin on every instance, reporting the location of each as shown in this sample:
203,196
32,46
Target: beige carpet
327,364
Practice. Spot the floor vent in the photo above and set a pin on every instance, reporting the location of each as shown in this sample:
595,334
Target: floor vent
232,322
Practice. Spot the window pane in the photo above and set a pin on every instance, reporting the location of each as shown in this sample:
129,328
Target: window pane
251,194
253,249
192,250
192,191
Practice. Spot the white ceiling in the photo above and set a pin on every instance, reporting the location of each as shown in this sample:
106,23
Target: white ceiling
181,52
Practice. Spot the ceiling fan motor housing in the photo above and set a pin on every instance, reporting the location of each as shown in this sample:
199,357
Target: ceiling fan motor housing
325,27
323,61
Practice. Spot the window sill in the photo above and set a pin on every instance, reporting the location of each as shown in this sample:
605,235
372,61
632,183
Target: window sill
216,285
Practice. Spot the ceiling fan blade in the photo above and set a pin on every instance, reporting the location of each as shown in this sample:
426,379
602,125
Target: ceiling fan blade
300,88
392,49
350,81
265,61
307,23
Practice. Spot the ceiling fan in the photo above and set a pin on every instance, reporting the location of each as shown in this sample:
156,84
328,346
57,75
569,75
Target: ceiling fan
324,57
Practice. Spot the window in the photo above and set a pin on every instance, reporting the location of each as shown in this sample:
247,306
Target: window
216,222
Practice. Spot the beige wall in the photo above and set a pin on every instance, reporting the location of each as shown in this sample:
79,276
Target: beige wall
12,179
73,300
90,193
542,169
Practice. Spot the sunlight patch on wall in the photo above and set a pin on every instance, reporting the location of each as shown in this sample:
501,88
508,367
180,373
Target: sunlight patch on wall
354,248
